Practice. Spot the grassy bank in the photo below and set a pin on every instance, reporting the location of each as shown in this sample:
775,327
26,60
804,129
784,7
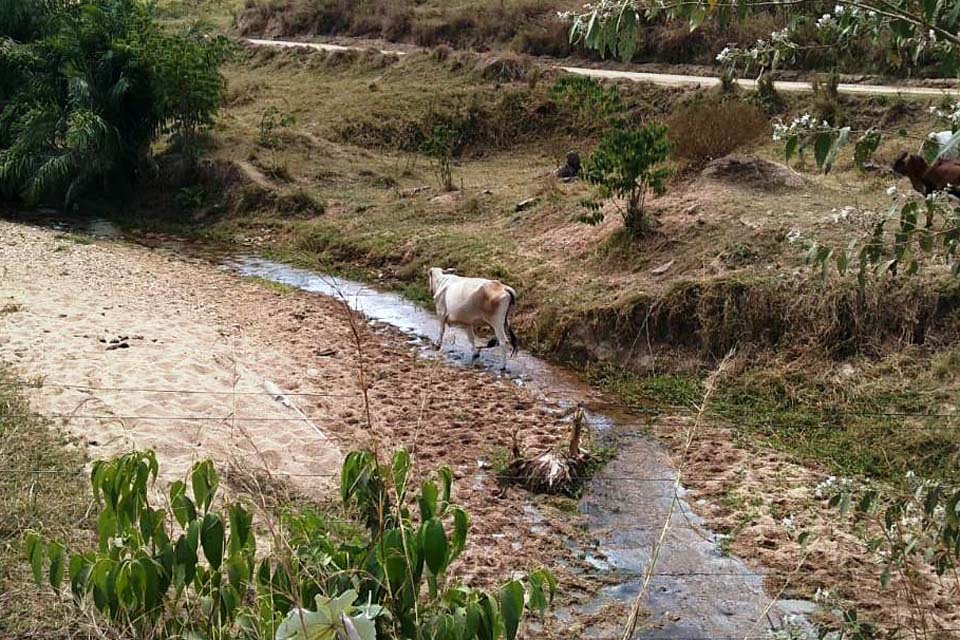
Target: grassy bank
879,418
31,499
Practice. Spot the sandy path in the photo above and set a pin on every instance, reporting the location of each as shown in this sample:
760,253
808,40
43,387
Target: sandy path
663,79
77,306
208,341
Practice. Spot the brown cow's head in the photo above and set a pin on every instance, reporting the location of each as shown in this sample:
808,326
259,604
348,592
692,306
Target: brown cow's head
900,163
910,165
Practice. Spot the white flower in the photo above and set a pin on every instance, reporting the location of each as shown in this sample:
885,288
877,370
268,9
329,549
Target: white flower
932,35
793,235
892,190
781,37
823,596
788,525
825,21
723,55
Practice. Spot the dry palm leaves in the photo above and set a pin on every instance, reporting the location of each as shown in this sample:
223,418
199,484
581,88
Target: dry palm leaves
554,471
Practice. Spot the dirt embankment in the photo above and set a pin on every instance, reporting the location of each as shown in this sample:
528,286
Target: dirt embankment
133,348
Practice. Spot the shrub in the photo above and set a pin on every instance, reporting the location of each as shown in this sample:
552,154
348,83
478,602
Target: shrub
550,38
628,163
272,122
85,88
191,570
826,100
439,144
709,130
768,98
587,102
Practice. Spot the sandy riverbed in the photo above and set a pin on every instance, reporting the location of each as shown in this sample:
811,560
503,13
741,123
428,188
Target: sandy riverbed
200,346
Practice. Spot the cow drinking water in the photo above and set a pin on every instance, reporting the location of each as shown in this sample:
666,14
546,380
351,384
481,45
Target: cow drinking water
473,302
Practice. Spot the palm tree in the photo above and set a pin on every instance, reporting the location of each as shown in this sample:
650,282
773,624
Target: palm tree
86,87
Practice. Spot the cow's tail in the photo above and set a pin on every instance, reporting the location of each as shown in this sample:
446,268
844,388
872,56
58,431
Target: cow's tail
506,322
514,344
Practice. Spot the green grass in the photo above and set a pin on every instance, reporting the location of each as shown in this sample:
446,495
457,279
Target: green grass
73,238
878,429
276,287
53,503
875,425
648,394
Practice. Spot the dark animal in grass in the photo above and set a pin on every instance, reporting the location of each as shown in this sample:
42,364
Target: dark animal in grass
571,168
943,175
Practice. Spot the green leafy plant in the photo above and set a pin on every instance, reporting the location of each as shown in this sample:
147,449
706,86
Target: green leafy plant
414,553
146,570
190,570
86,87
896,242
272,122
589,102
628,163
905,528
439,144
190,198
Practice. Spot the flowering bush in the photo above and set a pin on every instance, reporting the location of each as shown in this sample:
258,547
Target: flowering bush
951,115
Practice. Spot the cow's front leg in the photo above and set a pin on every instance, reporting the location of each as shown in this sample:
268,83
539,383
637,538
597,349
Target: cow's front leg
443,329
475,350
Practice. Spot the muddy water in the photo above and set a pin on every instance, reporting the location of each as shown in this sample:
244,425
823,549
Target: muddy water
697,592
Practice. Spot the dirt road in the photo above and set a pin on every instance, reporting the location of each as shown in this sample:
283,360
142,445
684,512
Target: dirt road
667,79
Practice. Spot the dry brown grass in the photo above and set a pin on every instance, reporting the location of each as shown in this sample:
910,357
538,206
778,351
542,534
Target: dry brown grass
55,503
709,130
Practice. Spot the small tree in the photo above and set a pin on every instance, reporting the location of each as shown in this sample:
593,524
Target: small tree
439,145
627,164
86,88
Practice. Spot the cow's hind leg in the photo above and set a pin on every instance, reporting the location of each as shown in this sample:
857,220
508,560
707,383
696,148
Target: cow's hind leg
475,351
503,341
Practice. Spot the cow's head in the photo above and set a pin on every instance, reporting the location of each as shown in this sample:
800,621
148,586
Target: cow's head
435,275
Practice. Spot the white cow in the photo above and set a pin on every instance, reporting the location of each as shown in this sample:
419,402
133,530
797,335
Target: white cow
942,139
473,302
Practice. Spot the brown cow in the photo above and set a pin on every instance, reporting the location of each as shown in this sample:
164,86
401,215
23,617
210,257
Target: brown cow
943,175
